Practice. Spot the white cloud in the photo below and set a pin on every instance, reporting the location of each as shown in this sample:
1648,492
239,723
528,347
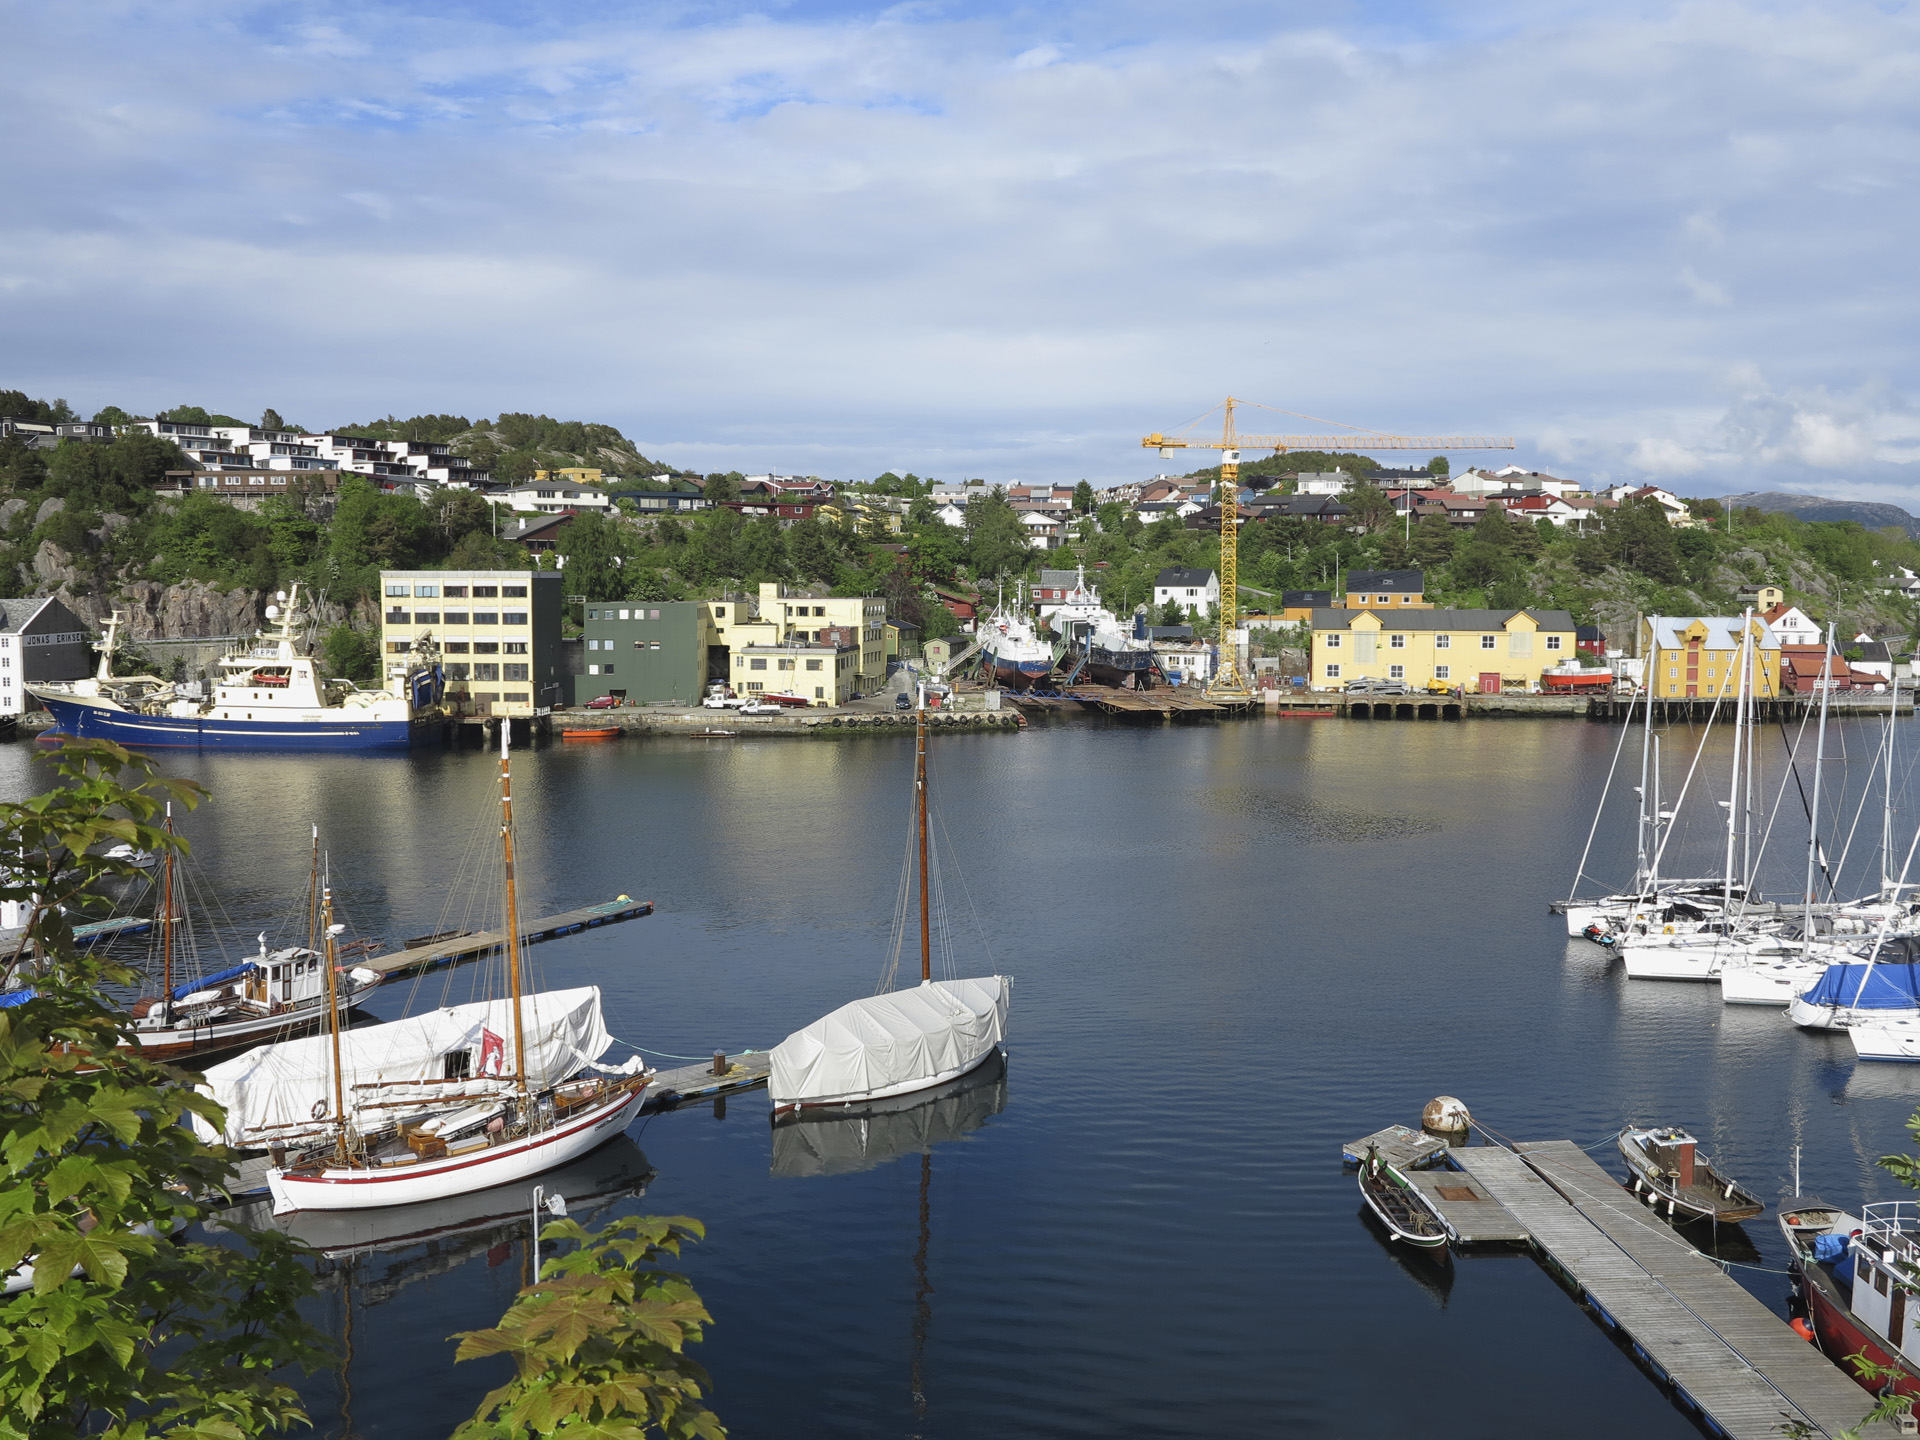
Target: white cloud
767,237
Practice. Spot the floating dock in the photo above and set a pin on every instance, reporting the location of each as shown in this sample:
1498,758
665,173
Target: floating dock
1401,1146
700,1082
1727,1357
475,943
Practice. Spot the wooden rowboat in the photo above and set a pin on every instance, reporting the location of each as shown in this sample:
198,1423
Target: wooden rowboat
602,732
1669,1169
1400,1207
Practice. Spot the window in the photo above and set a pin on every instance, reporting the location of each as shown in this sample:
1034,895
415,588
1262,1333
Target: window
459,671
520,672
397,647
1443,672
1397,642
427,592
396,617
755,684
1396,672
1487,642
651,644
593,644
786,665
519,647
593,614
486,647
1673,674
514,592
1333,671
397,589
486,617
757,663
653,614
820,610
515,617
1553,642
486,672
623,615
426,617
819,692
719,612
455,592
593,669
813,664
1443,642
456,617
456,647
486,592
1333,642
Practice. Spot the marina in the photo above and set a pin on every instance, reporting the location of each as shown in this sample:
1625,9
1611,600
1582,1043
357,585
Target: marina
471,945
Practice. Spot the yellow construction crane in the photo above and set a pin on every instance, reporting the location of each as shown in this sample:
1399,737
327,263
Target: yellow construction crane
1227,682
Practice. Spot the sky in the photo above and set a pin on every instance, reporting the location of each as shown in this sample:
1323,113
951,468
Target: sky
1671,243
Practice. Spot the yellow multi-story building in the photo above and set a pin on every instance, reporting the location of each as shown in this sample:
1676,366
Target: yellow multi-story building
1698,656
821,672
573,475
498,630
1485,651
785,615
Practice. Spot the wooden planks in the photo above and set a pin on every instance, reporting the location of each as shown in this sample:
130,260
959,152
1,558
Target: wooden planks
1471,1215
698,1082
1721,1349
1401,1146
483,942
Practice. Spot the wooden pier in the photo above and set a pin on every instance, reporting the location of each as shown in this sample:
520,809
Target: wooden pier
1726,1356
475,943
1164,704
699,1082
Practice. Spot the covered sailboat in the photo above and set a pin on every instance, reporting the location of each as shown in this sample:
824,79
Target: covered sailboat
897,1041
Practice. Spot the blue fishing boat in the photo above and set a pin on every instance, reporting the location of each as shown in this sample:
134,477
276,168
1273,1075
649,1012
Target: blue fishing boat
269,696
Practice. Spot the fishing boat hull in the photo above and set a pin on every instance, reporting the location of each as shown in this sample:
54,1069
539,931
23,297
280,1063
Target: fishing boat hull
1667,1172
1837,1330
1011,674
187,1038
345,1188
89,721
1399,1207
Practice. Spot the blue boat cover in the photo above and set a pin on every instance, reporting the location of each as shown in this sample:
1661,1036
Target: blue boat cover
16,997
1892,987
180,992
1829,1247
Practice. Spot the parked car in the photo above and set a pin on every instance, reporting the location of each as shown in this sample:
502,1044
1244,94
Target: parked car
903,701
762,707
603,702
721,701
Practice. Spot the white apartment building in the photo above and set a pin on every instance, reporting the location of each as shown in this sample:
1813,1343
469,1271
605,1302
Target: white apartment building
550,497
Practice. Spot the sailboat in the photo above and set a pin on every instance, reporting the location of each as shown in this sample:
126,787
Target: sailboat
441,1104
898,1041
273,993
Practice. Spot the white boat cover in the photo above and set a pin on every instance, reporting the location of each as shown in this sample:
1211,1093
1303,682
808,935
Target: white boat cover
286,1085
891,1044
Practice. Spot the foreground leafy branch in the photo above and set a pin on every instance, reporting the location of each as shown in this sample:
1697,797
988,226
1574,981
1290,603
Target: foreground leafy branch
599,1342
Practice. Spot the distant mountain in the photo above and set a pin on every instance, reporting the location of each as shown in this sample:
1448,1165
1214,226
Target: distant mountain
1868,513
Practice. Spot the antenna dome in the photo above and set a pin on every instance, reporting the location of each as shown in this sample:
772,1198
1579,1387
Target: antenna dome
273,612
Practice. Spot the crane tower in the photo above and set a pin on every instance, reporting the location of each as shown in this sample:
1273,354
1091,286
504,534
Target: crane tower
1228,682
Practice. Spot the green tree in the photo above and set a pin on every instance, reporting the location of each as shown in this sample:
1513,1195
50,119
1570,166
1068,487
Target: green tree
599,1342
812,552
595,550
721,489
1172,613
1438,466
123,1332
350,654
996,537
270,419
113,415
1083,498
1368,502
762,551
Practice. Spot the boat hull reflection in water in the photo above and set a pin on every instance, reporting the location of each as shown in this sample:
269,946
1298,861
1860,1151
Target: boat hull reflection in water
809,1144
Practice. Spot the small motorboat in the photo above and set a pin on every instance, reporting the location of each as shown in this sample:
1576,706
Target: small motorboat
1401,1208
1847,1276
592,732
1667,1166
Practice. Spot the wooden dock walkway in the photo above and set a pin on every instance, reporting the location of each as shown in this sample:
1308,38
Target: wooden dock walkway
1471,1215
476,943
1725,1354
698,1082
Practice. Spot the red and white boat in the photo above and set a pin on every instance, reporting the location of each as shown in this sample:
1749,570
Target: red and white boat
1849,1272
1575,677
440,1104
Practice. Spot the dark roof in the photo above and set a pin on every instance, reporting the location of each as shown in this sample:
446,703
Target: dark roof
1590,632
1412,582
1170,632
1294,599
1330,619
15,613
1179,575
1307,505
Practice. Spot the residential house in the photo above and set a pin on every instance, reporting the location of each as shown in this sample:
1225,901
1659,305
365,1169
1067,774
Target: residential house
1488,651
1546,507
1477,484
1184,660
41,642
540,536
1699,656
250,489
1299,507
1297,606
1807,669
961,603
1674,508
499,634
661,502
1591,640
1196,591
1044,531
1388,588
645,654
1875,657
1761,597
573,475
550,497
1322,482
47,436
1791,625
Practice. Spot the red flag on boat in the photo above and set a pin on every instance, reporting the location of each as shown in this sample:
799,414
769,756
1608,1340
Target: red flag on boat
493,1052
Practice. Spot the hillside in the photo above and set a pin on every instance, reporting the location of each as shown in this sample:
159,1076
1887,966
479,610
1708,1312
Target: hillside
1868,513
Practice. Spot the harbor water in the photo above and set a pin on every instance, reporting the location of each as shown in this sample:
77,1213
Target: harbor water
1235,946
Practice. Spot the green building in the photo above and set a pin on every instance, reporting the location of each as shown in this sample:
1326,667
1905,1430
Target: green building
644,653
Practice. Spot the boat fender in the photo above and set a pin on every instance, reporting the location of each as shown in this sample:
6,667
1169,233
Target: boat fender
1802,1328
1669,930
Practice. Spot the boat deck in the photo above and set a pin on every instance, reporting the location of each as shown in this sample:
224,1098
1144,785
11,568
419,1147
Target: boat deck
482,942
1401,1146
1724,1353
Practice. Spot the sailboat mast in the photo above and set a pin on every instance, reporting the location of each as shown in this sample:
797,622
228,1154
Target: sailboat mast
1813,806
1648,668
1755,660
333,1021
166,920
313,891
513,909
920,804
1886,809
1733,782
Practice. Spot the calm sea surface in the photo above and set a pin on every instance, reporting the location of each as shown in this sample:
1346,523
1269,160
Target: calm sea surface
1235,947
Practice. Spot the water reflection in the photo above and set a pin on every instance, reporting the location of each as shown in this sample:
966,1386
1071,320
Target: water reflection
809,1144
1431,1270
